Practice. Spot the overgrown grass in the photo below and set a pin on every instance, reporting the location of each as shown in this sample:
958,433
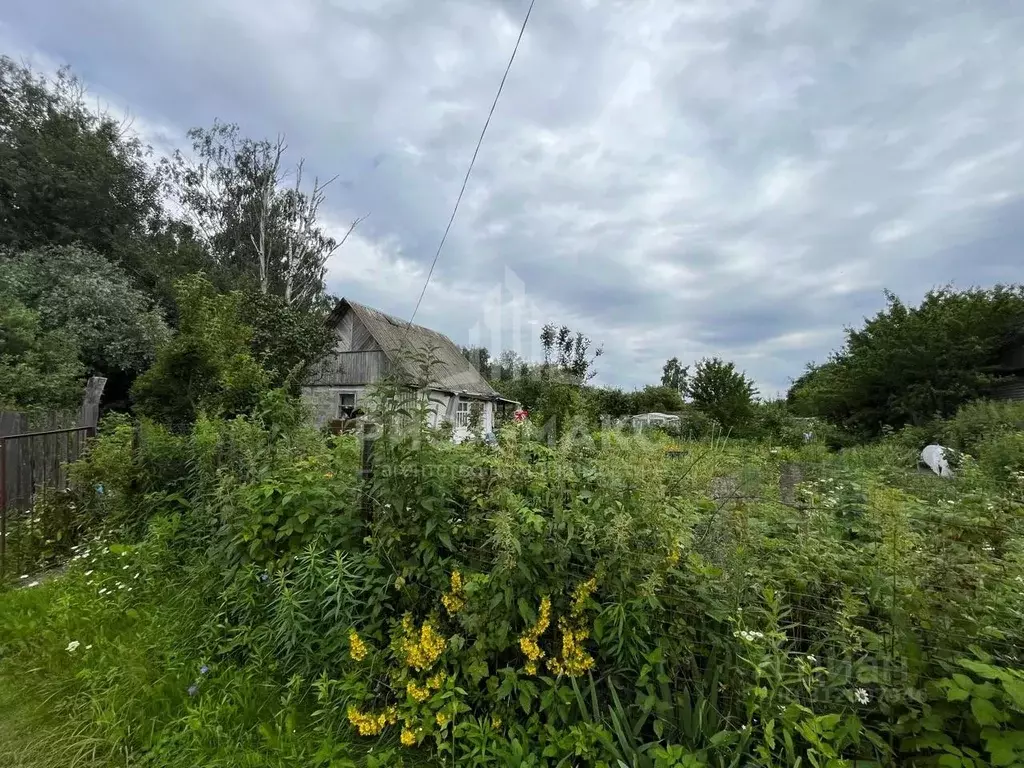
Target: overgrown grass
265,618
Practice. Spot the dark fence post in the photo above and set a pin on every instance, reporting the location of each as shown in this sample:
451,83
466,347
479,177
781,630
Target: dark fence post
366,467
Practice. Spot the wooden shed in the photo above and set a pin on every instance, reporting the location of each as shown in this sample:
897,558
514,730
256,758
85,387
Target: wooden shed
371,344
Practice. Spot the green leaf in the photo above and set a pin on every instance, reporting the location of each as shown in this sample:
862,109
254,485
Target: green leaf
982,670
1015,690
1002,751
985,712
955,693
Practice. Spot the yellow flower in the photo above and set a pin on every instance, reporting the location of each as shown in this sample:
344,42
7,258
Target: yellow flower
528,640
575,661
495,722
391,715
580,595
421,652
408,738
366,723
442,719
434,683
454,600
417,692
356,647
328,475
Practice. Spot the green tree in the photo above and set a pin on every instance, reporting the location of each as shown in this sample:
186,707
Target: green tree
662,399
72,176
208,366
480,357
568,353
287,341
233,197
39,369
114,326
720,391
67,174
908,365
673,375
611,402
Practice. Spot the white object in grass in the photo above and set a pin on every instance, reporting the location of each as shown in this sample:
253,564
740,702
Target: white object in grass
935,457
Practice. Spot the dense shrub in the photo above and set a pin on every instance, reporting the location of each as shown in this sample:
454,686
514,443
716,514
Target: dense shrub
722,392
599,600
910,365
976,421
207,367
39,369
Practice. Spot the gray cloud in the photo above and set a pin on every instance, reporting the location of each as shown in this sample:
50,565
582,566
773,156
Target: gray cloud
724,177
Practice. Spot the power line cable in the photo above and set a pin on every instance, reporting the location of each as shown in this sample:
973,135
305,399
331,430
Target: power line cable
472,162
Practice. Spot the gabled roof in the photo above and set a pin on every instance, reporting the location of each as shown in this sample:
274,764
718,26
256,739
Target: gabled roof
405,345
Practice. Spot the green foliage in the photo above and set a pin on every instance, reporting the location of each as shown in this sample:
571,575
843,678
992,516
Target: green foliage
39,369
78,291
585,602
67,175
286,341
976,421
722,392
207,367
908,365
663,399
567,354
264,233
674,374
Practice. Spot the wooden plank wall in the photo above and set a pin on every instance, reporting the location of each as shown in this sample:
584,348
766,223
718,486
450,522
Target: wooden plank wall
37,461
34,462
350,369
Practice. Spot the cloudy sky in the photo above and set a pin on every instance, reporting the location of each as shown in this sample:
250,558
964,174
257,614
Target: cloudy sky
738,178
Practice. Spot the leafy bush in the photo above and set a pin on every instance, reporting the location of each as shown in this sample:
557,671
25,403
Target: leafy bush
597,600
207,367
39,369
722,392
80,292
909,365
979,420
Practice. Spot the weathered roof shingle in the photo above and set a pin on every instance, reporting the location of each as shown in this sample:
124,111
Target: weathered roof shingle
406,344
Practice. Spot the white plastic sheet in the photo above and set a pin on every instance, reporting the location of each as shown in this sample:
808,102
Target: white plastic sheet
935,457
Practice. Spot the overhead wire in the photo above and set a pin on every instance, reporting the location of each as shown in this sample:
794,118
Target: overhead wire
469,169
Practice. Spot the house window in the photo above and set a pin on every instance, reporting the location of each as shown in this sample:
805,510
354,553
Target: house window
346,404
462,413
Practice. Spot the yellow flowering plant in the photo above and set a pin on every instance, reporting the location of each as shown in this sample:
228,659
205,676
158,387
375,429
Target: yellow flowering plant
528,640
455,599
356,647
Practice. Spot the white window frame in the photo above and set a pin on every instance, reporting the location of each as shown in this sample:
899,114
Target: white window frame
343,393
462,413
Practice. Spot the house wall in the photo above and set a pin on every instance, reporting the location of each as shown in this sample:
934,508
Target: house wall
324,400
353,336
351,368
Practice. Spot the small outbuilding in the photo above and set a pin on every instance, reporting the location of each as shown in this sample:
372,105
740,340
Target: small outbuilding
371,344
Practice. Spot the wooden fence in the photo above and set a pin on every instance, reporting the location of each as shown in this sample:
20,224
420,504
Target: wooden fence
35,451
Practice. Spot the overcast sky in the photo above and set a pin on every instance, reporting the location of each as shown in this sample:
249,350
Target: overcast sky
738,178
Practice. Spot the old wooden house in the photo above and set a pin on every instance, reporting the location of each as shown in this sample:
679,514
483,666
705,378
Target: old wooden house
371,344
